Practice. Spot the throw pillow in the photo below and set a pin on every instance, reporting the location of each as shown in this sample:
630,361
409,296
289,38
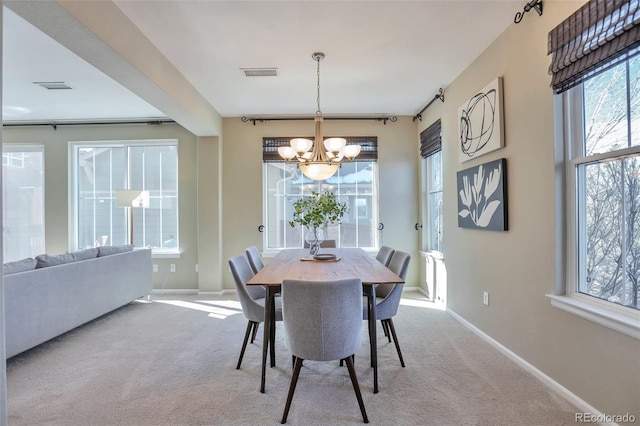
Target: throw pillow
19,266
107,250
44,260
89,253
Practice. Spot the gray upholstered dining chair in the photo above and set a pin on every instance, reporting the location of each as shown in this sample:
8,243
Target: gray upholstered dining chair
255,260
252,299
388,299
322,322
384,255
324,244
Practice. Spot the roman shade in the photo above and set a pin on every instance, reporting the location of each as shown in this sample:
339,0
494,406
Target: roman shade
598,36
368,150
431,140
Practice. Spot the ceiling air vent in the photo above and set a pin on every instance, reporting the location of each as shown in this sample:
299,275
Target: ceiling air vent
52,85
260,72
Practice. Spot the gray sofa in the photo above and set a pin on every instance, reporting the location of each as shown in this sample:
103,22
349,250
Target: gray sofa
50,295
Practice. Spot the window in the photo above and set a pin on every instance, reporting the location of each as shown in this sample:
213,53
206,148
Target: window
23,201
355,183
101,168
434,200
600,102
604,163
431,153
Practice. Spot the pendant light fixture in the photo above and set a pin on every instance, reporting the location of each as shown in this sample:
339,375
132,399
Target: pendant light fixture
319,159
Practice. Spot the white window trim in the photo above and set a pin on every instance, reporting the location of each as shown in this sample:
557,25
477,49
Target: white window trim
72,182
566,297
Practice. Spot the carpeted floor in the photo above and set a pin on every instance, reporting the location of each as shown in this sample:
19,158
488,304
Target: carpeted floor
172,362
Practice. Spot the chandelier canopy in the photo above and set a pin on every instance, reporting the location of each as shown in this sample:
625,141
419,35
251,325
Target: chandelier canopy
319,159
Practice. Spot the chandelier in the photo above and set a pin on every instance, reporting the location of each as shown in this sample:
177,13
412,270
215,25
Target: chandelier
319,159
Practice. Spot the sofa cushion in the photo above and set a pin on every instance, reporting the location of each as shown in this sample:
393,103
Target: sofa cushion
19,266
107,250
44,260
89,253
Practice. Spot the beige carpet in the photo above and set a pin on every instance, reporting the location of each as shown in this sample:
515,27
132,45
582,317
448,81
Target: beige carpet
172,362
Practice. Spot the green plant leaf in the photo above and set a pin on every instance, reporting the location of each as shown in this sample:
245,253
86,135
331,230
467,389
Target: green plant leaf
318,210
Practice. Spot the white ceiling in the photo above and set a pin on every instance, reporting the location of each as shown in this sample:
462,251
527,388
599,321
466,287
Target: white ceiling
382,57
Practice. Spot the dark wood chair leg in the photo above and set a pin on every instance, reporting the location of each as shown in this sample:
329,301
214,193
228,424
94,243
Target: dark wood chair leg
292,388
395,339
356,387
385,328
256,325
244,343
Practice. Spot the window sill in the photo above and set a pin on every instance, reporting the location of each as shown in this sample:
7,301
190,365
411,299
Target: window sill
165,255
433,254
600,312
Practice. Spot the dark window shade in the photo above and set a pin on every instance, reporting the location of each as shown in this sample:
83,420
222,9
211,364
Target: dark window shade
368,150
431,140
598,36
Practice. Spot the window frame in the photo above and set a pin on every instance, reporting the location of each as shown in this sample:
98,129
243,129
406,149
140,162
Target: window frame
568,139
73,148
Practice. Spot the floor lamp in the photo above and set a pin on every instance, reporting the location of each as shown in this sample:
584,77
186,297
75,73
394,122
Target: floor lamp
132,198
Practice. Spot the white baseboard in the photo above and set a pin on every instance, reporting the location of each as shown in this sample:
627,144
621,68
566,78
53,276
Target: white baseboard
192,291
418,289
583,406
216,293
173,291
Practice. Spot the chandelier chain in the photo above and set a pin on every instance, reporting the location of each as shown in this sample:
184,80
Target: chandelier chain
318,112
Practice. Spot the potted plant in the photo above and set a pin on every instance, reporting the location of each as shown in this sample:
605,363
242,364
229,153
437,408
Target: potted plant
315,213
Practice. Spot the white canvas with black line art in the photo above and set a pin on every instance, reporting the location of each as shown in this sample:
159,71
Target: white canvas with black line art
482,196
480,122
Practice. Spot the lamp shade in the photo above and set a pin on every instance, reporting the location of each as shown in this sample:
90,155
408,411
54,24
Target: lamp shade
132,198
335,145
352,151
319,171
301,145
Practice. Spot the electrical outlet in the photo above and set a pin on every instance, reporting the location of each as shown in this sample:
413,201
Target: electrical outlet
197,270
485,298
155,267
172,268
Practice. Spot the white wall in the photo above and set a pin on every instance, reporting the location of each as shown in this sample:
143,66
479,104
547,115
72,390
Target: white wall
242,181
517,267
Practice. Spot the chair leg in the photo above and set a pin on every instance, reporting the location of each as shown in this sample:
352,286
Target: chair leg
356,387
244,343
255,331
395,339
292,388
385,328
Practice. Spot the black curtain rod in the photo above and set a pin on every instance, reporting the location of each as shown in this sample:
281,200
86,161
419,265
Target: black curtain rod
87,123
253,120
439,95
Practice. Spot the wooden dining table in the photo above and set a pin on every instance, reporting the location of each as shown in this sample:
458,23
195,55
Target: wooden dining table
298,264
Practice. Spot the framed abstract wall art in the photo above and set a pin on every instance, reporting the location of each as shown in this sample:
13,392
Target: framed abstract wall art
481,122
482,196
